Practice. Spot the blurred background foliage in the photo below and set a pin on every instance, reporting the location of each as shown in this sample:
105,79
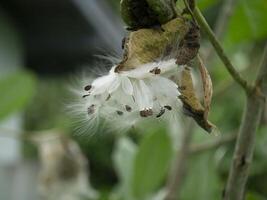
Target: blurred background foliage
45,47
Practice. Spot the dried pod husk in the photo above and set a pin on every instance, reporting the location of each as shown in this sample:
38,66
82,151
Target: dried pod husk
146,13
207,86
189,46
191,104
137,14
148,45
163,9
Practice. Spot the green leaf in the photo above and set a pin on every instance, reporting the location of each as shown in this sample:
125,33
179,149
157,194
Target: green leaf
248,22
202,179
123,158
254,196
151,164
16,91
204,4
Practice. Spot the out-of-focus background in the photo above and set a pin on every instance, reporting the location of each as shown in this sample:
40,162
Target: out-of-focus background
45,154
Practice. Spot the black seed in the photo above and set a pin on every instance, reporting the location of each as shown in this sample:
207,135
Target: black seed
156,70
86,95
128,108
108,97
168,107
88,87
162,111
119,112
91,109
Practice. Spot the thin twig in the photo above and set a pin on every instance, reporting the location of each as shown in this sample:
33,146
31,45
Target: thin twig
179,168
228,82
229,66
198,148
221,23
244,148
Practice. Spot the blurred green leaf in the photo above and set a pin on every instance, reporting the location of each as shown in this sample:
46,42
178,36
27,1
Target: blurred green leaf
16,91
254,196
248,22
204,4
123,158
202,179
151,164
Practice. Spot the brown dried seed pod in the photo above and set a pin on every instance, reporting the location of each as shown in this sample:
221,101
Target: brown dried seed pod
147,45
189,46
146,13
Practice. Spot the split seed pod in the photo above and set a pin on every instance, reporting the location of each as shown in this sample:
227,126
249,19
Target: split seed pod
150,45
146,13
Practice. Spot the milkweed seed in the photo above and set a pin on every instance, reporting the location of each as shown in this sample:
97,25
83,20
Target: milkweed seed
88,87
128,108
156,70
119,112
168,107
162,111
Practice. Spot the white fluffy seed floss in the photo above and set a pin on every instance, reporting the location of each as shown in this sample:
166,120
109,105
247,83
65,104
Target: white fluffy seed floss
144,85
125,98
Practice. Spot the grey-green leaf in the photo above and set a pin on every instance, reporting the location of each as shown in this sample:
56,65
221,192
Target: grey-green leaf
202,179
16,91
151,164
123,158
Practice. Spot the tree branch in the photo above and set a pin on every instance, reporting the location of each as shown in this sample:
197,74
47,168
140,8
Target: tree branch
218,48
261,81
198,148
246,138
